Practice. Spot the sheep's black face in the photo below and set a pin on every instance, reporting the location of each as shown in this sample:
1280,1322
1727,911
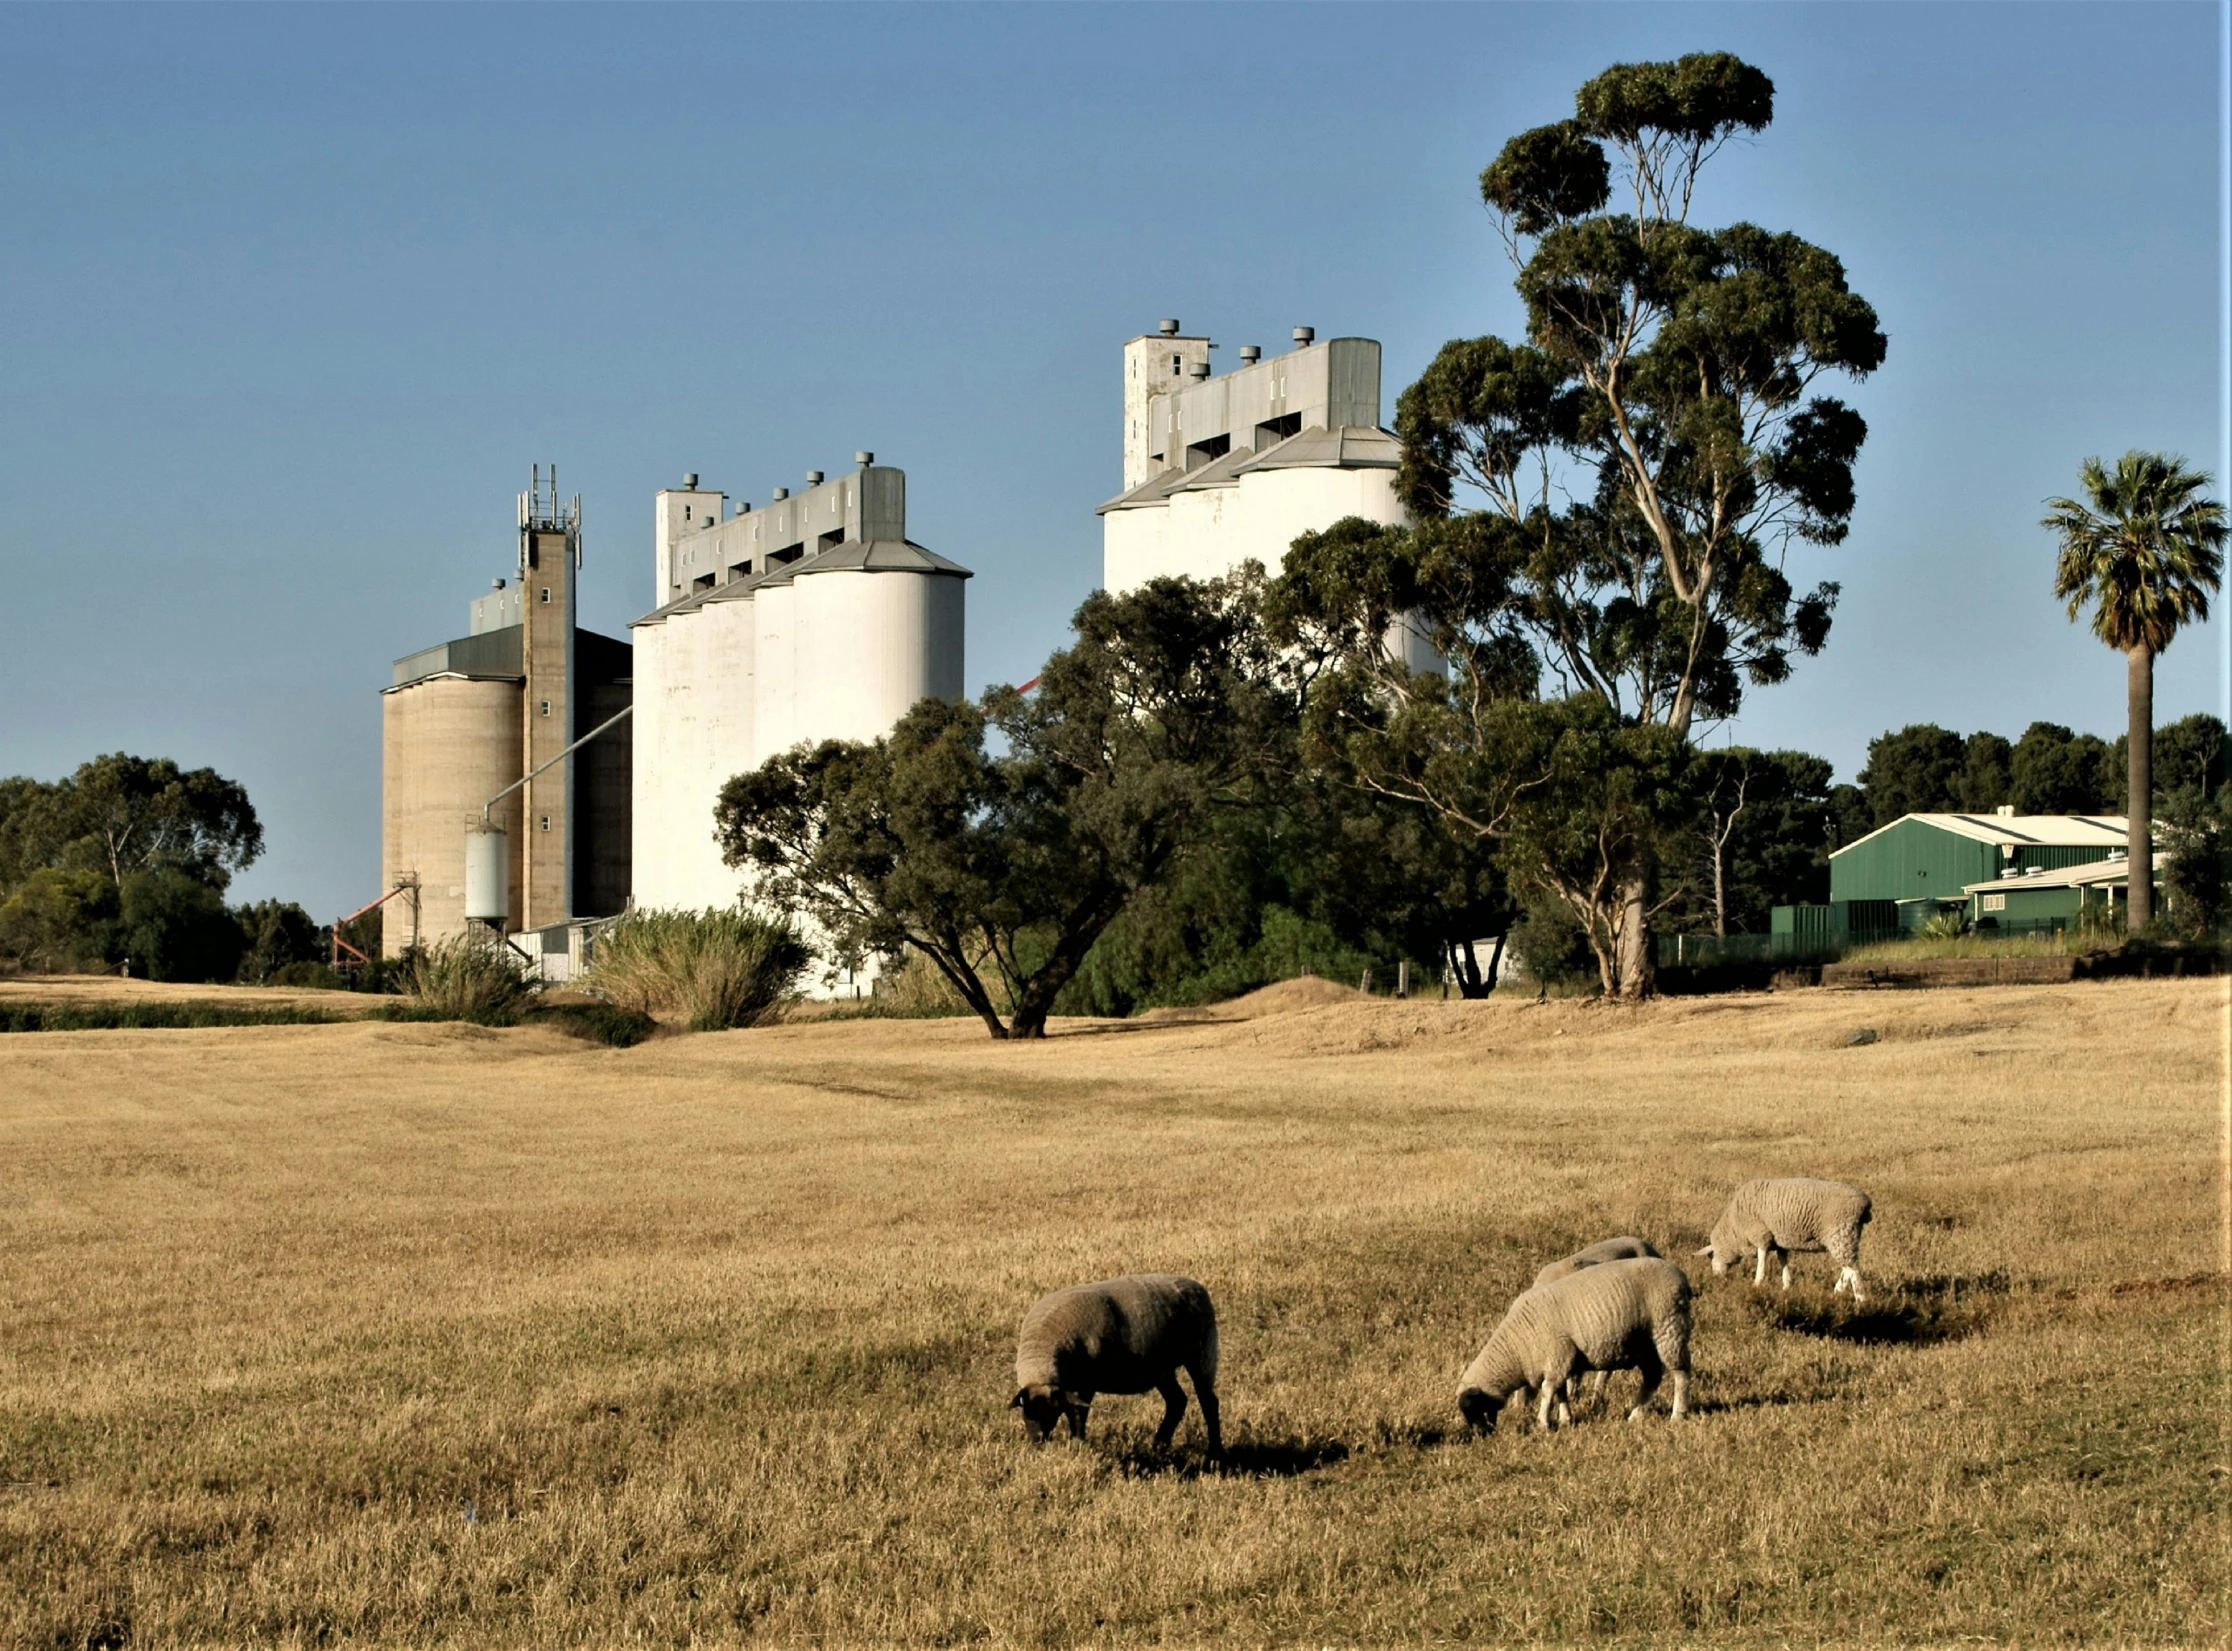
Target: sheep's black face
1043,1408
1479,1408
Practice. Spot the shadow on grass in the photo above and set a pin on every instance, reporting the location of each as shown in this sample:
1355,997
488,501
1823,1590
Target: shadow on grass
1923,1312
1244,1458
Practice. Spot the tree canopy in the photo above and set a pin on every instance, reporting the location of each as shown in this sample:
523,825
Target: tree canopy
1004,869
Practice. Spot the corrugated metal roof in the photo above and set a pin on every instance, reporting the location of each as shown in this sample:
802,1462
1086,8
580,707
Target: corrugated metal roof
1154,490
2117,870
1351,447
2037,830
869,556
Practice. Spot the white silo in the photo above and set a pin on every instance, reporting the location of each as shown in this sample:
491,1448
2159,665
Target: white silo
775,661
879,627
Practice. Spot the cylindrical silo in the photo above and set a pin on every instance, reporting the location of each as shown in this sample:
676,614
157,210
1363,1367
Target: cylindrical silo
775,685
873,643
450,743
646,824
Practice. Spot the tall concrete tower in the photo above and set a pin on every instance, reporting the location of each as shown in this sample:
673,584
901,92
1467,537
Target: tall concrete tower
1155,364
549,557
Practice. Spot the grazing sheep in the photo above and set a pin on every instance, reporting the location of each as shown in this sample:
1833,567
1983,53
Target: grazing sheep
1625,1248
1610,1249
1617,1315
1778,1217
1122,1335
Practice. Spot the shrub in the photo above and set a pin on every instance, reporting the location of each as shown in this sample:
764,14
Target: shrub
173,926
1946,925
714,969
472,976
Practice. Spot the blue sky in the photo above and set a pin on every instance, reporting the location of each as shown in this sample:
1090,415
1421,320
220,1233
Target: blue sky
296,296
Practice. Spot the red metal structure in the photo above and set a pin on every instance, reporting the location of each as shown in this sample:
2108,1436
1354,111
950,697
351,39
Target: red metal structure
357,957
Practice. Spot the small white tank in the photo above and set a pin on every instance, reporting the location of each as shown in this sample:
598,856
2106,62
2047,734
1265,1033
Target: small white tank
487,874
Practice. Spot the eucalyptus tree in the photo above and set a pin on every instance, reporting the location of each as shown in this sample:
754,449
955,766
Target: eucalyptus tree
1604,508
1004,866
2145,552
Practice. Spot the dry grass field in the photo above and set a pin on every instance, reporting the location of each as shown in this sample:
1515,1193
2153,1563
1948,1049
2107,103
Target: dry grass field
437,1335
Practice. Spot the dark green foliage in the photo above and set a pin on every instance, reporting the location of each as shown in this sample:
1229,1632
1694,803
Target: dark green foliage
1766,818
279,935
2055,771
1604,508
173,926
127,859
1987,775
111,1017
2188,756
1005,869
1916,770
600,1023
1925,769
57,921
2197,876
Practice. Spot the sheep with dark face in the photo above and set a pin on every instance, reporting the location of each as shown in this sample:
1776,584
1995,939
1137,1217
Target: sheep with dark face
1121,1335
1617,1315
1777,1217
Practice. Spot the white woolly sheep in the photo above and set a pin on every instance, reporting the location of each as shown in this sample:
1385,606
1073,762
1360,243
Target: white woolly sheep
1121,1335
1617,1315
1777,1217
1627,1247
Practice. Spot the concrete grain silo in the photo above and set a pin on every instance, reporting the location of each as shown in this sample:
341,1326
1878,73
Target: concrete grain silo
495,720
812,618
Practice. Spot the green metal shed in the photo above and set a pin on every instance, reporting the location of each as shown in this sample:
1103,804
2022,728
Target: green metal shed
1937,856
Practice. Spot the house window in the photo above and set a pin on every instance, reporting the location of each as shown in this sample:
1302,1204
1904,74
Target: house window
546,822
1995,902
546,593
546,707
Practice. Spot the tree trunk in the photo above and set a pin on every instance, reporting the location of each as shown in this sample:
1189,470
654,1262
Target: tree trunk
1638,976
2139,804
1720,883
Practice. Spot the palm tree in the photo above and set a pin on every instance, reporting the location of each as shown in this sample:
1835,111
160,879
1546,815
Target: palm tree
2147,555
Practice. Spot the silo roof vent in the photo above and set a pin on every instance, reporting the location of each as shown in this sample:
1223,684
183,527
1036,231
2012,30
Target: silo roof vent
1305,335
864,458
689,480
1200,369
1168,328
813,478
780,493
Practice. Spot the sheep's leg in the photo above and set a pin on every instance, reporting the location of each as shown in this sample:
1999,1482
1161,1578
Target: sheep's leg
1597,1379
1853,1274
1209,1417
1759,1273
1786,1270
1080,1412
1542,1405
1174,1408
1653,1371
1681,1394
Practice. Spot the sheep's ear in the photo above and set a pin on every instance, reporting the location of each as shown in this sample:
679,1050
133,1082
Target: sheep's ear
1708,1250
1016,1403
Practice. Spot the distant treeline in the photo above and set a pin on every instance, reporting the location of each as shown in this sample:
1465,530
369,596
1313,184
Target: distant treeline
124,865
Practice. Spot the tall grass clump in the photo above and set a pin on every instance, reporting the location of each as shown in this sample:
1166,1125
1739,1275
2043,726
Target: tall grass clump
472,976
715,969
